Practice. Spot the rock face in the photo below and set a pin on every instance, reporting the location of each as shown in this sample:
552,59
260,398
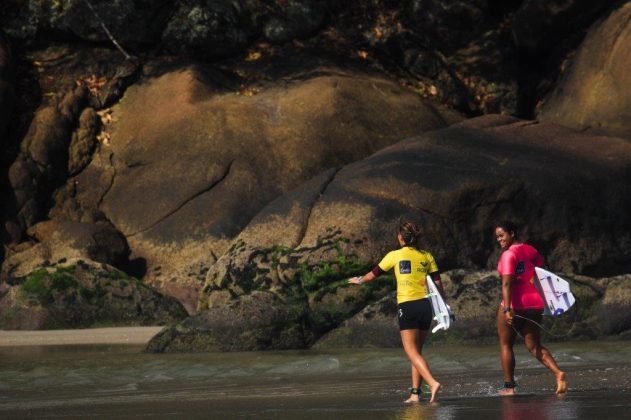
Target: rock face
539,25
6,87
233,153
132,22
594,92
374,326
42,163
54,241
82,294
228,155
612,310
456,182
276,298
209,28
601,309
474,297
296,19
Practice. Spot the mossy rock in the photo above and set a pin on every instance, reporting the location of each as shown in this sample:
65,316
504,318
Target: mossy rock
276,297
80,294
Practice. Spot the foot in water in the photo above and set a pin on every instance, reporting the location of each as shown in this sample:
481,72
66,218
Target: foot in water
561,384
413,399
506,392
415,395
508,389
434,390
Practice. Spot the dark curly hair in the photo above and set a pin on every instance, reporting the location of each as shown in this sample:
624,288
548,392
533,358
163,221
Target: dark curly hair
508,227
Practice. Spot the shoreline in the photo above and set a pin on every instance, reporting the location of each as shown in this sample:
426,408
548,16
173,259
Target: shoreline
110,335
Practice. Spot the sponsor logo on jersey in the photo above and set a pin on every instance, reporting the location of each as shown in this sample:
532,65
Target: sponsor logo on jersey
405,267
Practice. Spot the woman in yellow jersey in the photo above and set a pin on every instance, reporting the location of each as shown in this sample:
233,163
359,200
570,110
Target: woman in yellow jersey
411,266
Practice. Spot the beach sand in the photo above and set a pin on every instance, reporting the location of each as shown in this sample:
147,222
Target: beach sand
116,335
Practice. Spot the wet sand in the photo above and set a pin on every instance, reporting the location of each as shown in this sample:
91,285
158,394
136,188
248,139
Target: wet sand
116,335
121,381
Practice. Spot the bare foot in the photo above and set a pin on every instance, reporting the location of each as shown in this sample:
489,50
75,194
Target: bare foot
504,392
434,389
561,384
413,399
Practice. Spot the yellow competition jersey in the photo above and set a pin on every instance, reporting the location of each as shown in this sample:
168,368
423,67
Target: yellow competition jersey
411,267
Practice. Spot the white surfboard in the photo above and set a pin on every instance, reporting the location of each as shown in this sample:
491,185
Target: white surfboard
442,312
555,291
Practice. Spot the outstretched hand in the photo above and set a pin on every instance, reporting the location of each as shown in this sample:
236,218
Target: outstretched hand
355,280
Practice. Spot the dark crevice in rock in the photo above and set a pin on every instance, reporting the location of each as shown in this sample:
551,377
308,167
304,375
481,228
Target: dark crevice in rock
325,185
188,200
112,179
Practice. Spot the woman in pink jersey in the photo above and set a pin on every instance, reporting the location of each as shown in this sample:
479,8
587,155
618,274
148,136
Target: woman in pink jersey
521,309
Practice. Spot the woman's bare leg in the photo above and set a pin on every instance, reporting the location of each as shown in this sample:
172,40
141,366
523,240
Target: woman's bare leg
417,381
532,339
506,336
411,340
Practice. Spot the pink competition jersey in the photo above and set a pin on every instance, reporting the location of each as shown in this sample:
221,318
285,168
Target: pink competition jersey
521,260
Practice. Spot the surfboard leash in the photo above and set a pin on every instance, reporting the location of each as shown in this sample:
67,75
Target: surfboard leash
542,328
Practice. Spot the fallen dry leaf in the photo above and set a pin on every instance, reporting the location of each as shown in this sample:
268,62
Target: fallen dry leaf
94,84
106,116
104,137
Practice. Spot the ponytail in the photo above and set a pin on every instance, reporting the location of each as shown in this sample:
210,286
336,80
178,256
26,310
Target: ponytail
409,233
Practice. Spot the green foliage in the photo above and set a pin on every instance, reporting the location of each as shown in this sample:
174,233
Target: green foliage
62,281
327,276
278,251
35,285
118,275
41,283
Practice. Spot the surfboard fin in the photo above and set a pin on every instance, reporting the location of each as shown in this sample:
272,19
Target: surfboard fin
438,327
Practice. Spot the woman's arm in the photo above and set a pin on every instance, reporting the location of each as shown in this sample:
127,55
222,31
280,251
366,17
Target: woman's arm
507,281
362,279
370,276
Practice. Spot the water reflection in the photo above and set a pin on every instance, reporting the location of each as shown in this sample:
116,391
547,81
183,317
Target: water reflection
550,407
426,412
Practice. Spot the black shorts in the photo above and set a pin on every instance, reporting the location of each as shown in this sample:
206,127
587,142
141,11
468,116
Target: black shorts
415,315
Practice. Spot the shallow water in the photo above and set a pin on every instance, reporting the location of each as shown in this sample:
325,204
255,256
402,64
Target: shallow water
122,382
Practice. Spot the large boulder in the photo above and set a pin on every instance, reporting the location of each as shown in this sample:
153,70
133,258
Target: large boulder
456,182
612,313
82,294
374,326
55,241
42,163
275,298
459,181
595,90
189,163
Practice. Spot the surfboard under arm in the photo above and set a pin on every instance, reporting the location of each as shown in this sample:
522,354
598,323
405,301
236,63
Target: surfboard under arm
555,292
442,314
